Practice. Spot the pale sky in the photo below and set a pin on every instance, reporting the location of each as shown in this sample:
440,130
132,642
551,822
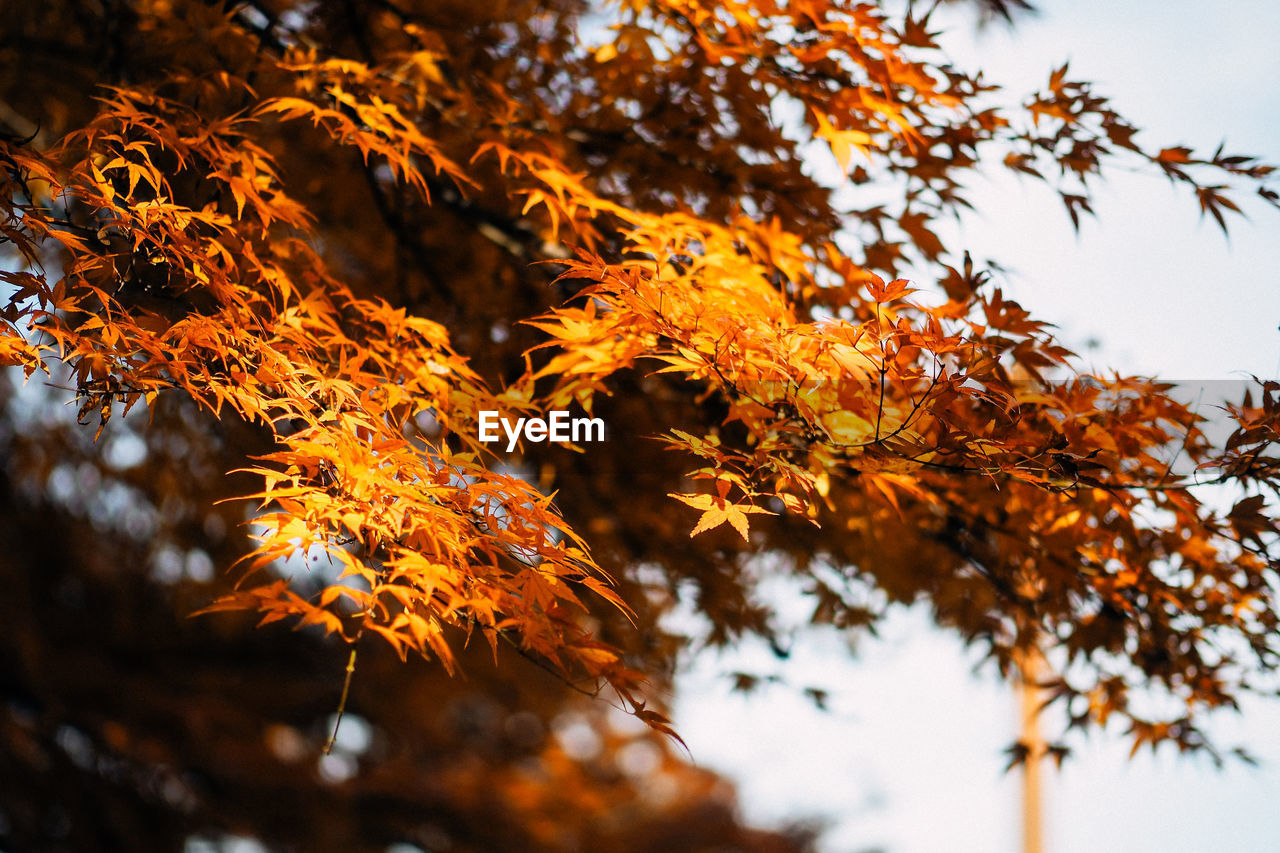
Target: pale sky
909,759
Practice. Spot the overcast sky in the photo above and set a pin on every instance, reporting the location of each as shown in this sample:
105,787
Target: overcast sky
909,758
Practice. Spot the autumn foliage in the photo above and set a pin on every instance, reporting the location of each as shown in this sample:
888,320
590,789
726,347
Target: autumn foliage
316,240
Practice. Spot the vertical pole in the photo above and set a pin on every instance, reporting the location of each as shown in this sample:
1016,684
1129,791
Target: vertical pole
1030,673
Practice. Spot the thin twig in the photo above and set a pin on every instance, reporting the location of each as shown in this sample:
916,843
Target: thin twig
342,702
1185,437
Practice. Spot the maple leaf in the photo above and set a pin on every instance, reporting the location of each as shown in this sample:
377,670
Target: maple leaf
716,510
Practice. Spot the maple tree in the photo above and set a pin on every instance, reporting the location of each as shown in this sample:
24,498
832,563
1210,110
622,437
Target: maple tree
307,244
